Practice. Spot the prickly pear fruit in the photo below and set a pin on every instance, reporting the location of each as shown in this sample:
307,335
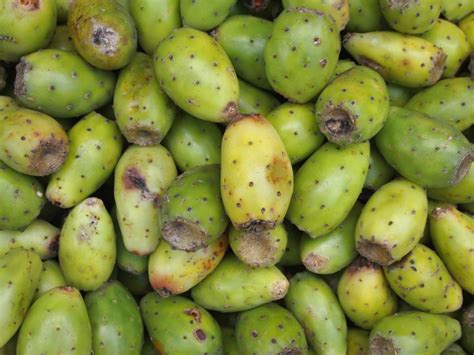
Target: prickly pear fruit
148,348
204,15
138,285
62,39
380,172
342,66
235,286
462,192
413,333
103,33
51,277
357,341
116,322
454,349
467,324
172,272
304,46
230,342
20,272
253,100
365,16
456,10
467,26
6,103
408,137
55,324
194,71
144,113
399,95
315,306
291,256
452,234
165,318
269,329
10,347
401,59
327,187
392,222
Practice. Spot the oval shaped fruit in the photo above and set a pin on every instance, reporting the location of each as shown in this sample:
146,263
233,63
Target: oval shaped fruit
204,15
462,192
254,100
380,172
51,277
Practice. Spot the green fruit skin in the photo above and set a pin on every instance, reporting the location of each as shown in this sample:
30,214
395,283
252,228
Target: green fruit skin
316,307
193,142
342,66
103,33
452,234
467,26
22,199
7,103
20,272
87,249
61,84
62,40
138,285
354,107
56,323
144,113
420,64
449,100
208,89
304,46
244,38
51,277
235,286
116,322
9,348
148,348
95,148
392,222
399,95
357,341
291,256
230,341
253,100
142,176
269,329
365,16
380,172
408,137
26,27
154,21
432,334
165,318
462,192
172,272
62,7
456,10
333,251
327,187
297,129
467,326
204,15
454,349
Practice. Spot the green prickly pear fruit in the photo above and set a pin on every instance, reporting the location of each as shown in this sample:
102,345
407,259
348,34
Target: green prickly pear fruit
467,324
467,26
399,95
116,322
138,285
87,248
148,348
456,10
142,176
6,103
413,333
235,286
357,341
462,192
165,318
291,256
195,72
61,84
144,113
380,172
172,272
253,100
205,15
154,21
333,251
62,39
342,66
10,347
20,272
454,349
297,129
51,277
304,46
256,176
408,137
365,16
452,234
55,324
354,107
103,33
230,341
327,187
243,38
315,306
192,214
269,329
401,59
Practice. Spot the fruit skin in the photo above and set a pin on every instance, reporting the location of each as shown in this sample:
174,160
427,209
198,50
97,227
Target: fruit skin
143,111
342,66
304,46
452,234
61,84
7,103
87,249
253,100
62,7
399,95
62,39
26,27
20,272
208,89
115,318
164,318
291,256
51,277
462,192
365,16
408,137
315,306
467,326
354,107
391,222
357,341
467,26
269,329
95,147
456,10
327,187
235,286
394,334
172,272
56,323
138,285
380,172
204,15
421,64
103,33
230,342
454,349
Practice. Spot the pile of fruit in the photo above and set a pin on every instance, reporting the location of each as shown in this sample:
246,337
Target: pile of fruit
236,177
